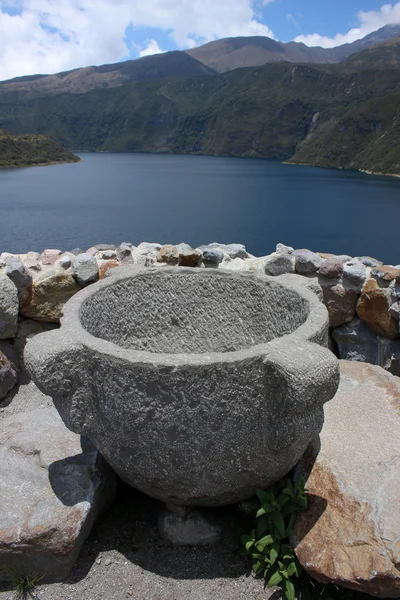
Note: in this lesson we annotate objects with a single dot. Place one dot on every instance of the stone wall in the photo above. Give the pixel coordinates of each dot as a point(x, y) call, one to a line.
point(362, 295)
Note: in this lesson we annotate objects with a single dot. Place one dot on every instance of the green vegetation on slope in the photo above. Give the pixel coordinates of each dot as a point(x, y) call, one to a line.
point(344, 115)
point(30, 150)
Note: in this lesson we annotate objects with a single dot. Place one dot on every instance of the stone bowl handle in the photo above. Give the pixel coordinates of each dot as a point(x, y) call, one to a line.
point(301, 376)
point(55, 364)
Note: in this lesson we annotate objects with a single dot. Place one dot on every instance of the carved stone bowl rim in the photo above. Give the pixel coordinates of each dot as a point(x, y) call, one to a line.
point(73, 333)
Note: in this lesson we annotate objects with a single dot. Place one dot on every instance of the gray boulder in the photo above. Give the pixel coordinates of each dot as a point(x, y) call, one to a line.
point(196, 528)
point(146, 254)
point(213, 255)
point(93, 250)
point(18, 274)
point(85, 269)
point(32, 261)
point(232, 250)
point(350, 533)
point(340, 300)
point(331, 268)
point(355, 272)
point(356, 342)
point(65, 262)
point(280, 262)
point(307, 262)
point(66, 485)
point(192, 363)
point(124, 251)
point(368, 261)
point(76, 251)
point(107, 255)
point(344, 257)
point(9, 308)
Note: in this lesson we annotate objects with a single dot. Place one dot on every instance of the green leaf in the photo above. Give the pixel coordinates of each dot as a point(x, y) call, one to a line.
point(257, 567)
point(288, 492)
point(301, 484)
point(273, 555)
point(302, 502)
point(289, 590)
point(277, 520)
point(248, 545)
point(246, 538)
point(276, 579)
point(267, 540)
point(260, 512)
point(262, 526)
point(292, 569)
point(263, 496)
point(282, 500)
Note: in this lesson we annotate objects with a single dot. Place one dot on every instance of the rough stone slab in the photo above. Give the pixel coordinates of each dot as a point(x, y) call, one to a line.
point(9, 307)
point(53, 485)
point(350, 533)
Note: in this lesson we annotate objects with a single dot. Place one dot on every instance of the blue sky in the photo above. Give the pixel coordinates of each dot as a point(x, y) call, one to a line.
point(48, 36)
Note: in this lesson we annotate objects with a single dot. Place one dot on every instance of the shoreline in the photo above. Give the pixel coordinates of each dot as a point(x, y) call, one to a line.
point(283, 162)
point(367, 172)
point(44, 164)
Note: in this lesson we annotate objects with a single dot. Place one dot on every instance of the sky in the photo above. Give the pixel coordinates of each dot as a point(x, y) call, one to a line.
point(49, 36)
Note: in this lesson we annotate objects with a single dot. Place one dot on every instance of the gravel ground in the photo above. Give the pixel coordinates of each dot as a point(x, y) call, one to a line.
point(124, 558)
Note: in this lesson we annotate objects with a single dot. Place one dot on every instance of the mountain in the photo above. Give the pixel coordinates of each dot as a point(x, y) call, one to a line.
point(366, 135)
point(30, 150)
point(342, 115)
point(79, 81)
point(231, 53)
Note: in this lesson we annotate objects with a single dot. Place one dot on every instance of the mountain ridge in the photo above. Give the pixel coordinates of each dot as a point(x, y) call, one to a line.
point(158, 66)
point(231, 53)
point(341, 115)
point(220, 56)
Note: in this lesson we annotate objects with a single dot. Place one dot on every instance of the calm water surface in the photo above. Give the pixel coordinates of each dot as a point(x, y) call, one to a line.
point(113, 198)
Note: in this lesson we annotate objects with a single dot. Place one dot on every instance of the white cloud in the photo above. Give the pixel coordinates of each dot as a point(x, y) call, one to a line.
point(389, 14)
point(151, 48)
point(55, 35)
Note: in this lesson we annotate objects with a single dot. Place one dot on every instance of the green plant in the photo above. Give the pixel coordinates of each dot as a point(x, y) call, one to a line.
point(273, 515)
point(24, 585)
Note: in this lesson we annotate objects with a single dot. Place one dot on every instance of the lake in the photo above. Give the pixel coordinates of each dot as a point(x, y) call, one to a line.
point(111, 198)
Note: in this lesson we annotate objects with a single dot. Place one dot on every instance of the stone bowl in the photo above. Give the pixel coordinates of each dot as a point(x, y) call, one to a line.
point(198, 386)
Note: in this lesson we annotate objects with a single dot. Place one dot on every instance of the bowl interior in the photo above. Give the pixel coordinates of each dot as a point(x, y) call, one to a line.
point(191, 312)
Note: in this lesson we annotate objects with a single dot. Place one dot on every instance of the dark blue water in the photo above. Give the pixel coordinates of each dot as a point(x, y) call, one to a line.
point(113, 198)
